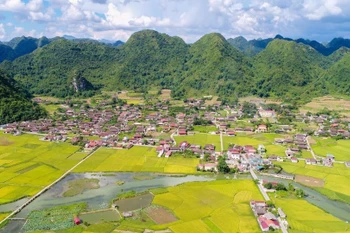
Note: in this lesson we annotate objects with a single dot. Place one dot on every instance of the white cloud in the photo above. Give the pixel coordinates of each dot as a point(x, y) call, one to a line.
point(187, 18)
point(2, 32)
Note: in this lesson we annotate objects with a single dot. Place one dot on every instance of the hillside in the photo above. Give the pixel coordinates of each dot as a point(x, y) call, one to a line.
point(15, 103)
point(214, 66)
point(50, 70)
point(337, 76)
point(20, 46)
point(151, 60)
point(287, 69)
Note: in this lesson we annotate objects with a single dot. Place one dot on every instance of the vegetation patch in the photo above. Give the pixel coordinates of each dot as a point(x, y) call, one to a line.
point(338, 148)
point(76, 187)
point(143, 177)
point(56, 218)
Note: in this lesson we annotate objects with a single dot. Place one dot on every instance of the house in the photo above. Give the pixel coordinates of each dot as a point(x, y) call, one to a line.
point(294, 160)
point(208, 167)
point(311, 161)
point(347, 164)
point(182, 132)
point(261, 149)
point(258, 207)
point(261, 129)
point(330, 157)
point(266, 223)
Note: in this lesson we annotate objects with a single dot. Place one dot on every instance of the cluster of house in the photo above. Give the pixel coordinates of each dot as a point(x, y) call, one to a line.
point(333, 130)
point(328, 161)
point(267, 220)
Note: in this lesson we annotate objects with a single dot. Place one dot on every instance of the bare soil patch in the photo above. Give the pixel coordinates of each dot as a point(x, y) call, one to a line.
point(309, 181)
point(5, 142)
point(160, 215)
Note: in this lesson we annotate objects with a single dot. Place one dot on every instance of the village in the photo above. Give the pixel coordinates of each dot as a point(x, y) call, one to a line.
point(250, 138)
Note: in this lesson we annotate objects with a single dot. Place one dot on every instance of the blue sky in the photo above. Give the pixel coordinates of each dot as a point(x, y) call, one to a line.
point(321, 20)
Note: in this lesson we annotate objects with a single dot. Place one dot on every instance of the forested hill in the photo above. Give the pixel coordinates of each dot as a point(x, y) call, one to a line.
point(284, 68)
point(15, 103)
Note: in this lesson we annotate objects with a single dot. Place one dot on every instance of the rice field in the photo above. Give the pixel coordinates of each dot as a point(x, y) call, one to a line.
point(136, 159)
point(255, 140)
point(218, 206)
point(337, 178)
point(305, 217)
point(28, 164)
point(340, 149)
point(200, 139)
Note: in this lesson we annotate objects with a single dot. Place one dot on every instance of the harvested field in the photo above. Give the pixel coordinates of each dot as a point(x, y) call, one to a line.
point(160, 215)
point(4, 141)
point(332, 103)
point(165, 94)
point(309, 181)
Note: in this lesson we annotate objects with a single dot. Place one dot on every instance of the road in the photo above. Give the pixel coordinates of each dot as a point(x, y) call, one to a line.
point(312, 152)
point(46, 188)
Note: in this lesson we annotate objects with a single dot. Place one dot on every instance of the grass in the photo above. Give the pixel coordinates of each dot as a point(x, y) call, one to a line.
point(337, 178)
point(217, 206)
point(255, 140)
point(204, 129)
point(340, 149)
point(51, 108)
point(137, 159)
point(28, 164)
point(201, 139)
point(305, 217)
point(79, 186)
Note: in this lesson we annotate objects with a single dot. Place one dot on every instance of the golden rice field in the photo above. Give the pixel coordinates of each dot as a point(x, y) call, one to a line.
point(305, 217)
point(255, 140)
point(217, 206)
point(340, 149)
point(28, 164)
point(136, 159)
point(337, 178)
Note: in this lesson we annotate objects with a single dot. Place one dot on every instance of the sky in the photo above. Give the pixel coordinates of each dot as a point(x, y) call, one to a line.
point(114, 20)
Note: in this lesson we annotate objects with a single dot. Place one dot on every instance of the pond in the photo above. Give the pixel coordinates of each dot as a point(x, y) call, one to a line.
point(101, 198)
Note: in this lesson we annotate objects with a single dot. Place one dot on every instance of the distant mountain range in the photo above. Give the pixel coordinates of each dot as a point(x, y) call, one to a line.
point(291, 70)
point(20, 46)
point(253, 47)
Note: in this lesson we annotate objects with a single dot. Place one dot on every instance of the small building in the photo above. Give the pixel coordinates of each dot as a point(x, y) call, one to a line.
point(127, 214)
point(261, 148)
point(294, 160)
point(77, 220)
point(347, 164)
